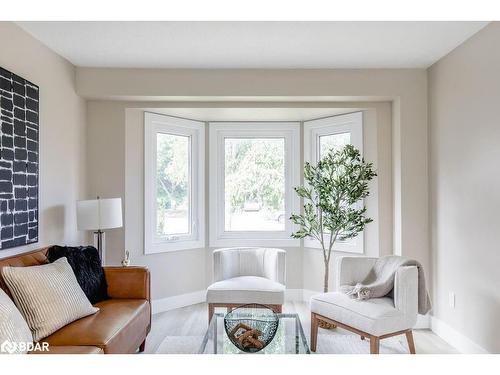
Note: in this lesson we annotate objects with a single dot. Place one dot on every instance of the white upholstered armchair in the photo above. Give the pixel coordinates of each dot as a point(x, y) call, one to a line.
point(376, 318)
point(245, 276)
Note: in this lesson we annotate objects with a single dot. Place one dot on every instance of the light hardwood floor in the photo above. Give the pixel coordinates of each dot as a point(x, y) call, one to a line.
point(193, 321)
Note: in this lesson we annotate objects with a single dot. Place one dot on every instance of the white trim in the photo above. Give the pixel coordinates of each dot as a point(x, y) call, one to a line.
point(290, 131)
point(195, 130)
point(349, 123)
point(423, 322)
point(307, 294)
point(175, 302)
point(292, 295)
point(456, 339)
point(304, 295)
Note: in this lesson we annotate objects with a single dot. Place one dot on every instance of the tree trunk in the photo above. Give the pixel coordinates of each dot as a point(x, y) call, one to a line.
point(327, 272)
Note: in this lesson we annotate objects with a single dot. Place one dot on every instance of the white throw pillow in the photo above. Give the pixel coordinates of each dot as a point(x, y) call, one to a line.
point(13, 327)
point(48, 296)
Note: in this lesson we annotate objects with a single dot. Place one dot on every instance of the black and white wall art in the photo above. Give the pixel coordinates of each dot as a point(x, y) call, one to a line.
point(19, 155)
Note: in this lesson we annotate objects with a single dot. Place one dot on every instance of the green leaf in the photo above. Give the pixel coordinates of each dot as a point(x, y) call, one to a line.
point(333, 194)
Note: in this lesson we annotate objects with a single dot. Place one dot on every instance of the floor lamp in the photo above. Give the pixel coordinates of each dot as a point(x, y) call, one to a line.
point(98, 215)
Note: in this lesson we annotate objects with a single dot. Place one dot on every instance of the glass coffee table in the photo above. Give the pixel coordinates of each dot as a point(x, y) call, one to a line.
point(289, 338)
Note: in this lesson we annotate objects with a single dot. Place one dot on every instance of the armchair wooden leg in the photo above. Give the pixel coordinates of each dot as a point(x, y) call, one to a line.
point(314, 332)
point(374, 345)
point(411, 343)
point(210, 312)
point(276, 308)
point(142, 346)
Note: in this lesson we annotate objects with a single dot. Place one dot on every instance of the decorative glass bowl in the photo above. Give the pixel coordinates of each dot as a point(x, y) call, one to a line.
point(251, 327)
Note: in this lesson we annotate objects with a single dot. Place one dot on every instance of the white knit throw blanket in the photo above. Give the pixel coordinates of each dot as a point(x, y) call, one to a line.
point(380, 281)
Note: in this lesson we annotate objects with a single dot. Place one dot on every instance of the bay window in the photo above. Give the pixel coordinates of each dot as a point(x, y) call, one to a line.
point(174, 171)
point(253, 169)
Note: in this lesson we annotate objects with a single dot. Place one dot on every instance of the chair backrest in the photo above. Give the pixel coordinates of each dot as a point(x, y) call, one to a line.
point(353, 270)
point(250, 261)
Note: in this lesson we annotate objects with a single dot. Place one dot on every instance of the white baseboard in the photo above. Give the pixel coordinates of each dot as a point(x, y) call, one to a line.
point(182, 300)
point(292, 295)
point(459, 341)
point(303, 295)
point(307, 294)
point(423, 322)
point(456, 339)
point(175, 302)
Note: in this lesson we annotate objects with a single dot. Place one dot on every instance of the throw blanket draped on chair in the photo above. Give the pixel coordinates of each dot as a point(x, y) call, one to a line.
point(380, 281)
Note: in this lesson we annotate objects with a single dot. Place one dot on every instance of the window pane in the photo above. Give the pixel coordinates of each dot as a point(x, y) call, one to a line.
point(172, 185)
point(333, 142)
point(254, 184)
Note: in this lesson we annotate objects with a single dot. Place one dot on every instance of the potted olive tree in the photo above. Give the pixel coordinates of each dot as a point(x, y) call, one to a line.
point(333, 193)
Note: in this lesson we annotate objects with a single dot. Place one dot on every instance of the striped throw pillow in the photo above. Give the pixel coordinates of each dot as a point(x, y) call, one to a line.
point(48, 296)
point(13, 328)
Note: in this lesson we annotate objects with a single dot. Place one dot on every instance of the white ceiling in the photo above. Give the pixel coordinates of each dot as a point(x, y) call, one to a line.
point(253, 44)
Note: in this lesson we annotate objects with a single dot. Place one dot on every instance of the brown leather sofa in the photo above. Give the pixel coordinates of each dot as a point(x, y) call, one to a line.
point(122, 322)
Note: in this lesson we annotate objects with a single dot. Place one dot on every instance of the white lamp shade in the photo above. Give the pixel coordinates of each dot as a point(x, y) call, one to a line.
point(99, 214)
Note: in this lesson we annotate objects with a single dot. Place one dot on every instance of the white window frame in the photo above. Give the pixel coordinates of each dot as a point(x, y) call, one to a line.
point(218, 131)
point(154, 124)
point(348, 123)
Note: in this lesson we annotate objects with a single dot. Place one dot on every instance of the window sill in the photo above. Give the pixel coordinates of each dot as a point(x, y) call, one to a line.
point(166, 247)
point(253, 242)
point(354, 247)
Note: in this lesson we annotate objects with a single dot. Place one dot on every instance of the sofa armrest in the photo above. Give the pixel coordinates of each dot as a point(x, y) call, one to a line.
point(352, 270)
point(128, 282)
point(406, 290)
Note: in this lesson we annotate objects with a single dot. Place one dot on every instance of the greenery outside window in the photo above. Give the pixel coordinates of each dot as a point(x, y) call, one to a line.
point(253, 167)
point(173, 175)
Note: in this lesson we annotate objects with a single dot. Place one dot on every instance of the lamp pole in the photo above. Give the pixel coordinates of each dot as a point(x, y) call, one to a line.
point(99, 233)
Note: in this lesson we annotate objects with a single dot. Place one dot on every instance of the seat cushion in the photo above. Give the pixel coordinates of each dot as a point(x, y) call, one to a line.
point(376, 316)
point(119, 326)
point(246, 289)
point(70, 350)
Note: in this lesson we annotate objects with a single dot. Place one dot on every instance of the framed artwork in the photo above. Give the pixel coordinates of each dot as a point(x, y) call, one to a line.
point(19, 160)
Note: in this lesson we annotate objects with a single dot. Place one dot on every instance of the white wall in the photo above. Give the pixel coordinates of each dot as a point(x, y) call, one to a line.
point(464, 96)
point(116, 169)
point(69, 164)
point(62, 134)
point(406, 89)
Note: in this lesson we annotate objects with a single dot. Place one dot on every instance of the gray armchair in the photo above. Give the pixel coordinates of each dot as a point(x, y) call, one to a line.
point(375, 318)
